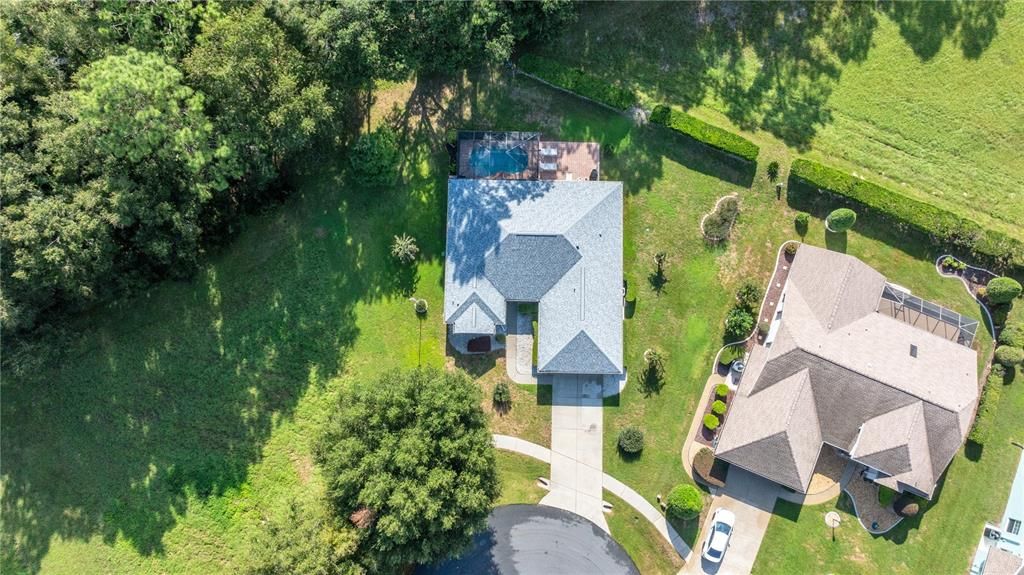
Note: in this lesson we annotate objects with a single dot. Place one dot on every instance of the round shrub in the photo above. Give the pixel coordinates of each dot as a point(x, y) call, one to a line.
point(1003, 290)
point(906, 506)
point(773, 171)
point(722, 390)
point(841, 220)
point(502, 395)
point(718, 407)
point(1009, 356)
point(1012, 335)
point(711, 422)
point(763, 327)
point(684, 502)
point(749, 295)
point(791, 248)
point(802, 220)
point(631, 440)
point(421, 306)
point(738, 324)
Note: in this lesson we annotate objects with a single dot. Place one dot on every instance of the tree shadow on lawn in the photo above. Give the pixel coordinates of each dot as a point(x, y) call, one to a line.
point(114, 424)
point(700, 51)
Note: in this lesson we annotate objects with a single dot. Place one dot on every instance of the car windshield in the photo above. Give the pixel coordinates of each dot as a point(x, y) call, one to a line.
point(723, 528)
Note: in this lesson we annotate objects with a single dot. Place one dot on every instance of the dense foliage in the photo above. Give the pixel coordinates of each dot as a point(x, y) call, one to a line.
point(502, 395)
point(749, 295)
point(684, 502)
point(1003, 290)
point(738, 324)
point(414, 449)
point(705, 133)
point(132, 134)
point(374, 158)
point(1012, 335)
point(631, 440)
point(306, 541)
point(941, 226)
point(717, 225)
point(576, 80)
point(1009, 356)
point(988, 405)
point(841, 220)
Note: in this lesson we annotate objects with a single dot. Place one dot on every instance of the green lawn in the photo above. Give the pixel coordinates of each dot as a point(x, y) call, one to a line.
point(519, 475)
point(157, 434)
point(921, 95)
point(648, 549)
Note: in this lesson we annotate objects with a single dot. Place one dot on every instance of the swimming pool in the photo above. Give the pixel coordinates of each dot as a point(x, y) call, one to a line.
point(490, 160)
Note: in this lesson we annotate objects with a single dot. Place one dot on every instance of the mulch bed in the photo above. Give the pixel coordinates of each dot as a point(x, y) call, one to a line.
point(704, 435)
point(784, 263)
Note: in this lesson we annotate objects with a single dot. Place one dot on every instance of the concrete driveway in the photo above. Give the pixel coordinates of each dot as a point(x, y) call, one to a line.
point(752, 499)
point(577, 424)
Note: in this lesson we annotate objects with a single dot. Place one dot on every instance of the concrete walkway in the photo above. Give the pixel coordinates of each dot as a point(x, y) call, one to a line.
point(613, 485)
point(519, 346)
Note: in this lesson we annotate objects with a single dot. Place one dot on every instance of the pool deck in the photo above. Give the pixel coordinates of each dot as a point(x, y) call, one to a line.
point(1010, 544)
point(571, 160)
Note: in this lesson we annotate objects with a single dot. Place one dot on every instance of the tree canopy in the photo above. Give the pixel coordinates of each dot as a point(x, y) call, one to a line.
point(413, 448)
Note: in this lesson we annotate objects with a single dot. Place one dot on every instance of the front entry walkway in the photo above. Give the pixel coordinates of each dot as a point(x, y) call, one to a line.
point(577, 423)
point(519, 345)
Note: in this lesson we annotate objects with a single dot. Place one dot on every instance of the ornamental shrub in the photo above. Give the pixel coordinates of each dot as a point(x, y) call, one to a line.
point(718, 407)
point(705, 133)
point(722, 390)
point(631, 440)
point(941, 226)
point(773, 170)
point(738, 324)
point(684, 502)
point(1012, 335)
point(791, 247)
point(1003, 290)
point(802, 223)
point(841, 220)
point(374, 158)
point(1009, 356)
point(502, 395)
point(749, 295)
point(711, 422)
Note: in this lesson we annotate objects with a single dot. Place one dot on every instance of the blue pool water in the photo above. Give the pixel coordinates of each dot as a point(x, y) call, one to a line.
point(490, 160)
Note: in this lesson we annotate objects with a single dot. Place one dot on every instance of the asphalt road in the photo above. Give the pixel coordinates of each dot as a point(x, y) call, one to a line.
point(541, 540)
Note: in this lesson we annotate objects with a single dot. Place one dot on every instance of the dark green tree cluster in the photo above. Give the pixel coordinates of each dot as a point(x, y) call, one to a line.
point(132, 133)
point(411, 454)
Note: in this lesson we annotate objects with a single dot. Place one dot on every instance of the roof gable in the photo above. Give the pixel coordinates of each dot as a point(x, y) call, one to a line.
point(580, 355)
point(523, 267)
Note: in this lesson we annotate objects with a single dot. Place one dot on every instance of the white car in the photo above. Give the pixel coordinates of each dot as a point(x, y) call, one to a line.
point(717, 540)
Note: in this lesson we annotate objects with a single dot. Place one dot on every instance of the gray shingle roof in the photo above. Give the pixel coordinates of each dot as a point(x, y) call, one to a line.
point(558, 243)
point(902, 415)
point(524, 267)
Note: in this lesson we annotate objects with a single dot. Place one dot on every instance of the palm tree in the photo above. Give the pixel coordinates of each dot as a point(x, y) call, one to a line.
point(404, 248)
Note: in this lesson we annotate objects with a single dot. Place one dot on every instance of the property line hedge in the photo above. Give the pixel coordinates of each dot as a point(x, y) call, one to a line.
point(576, 80)
point(705, 133)
point(984, 420)
point(941, 225)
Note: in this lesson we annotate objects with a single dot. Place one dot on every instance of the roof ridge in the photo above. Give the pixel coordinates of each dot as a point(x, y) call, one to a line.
point(839, 295)
point(804, 381)
point(586, 214)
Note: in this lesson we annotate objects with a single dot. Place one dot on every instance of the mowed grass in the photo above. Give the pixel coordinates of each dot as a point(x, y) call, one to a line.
point(645, 546)
point(922, 96)
point(519, 475)
point(156, 435)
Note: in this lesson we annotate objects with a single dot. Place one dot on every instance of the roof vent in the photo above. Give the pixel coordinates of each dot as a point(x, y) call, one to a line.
point(913, 350)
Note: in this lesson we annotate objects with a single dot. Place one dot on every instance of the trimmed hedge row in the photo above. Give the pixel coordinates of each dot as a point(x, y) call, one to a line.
point(941, 225)
point(705, 133)
point(576, 80)
point(985, 418)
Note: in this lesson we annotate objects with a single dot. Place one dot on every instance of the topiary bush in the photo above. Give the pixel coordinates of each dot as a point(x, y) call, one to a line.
point(791, 247)
point(718, 407)
point(631, 440)
point(841, 220)
point(721, 390)
point(738, 324)
point(1009, 356)
point(1003, 290)
point(1012, 335)
point(502, 396)
point(802, 222)
point(685, 502)
point(906, 506)
point(711, 422)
